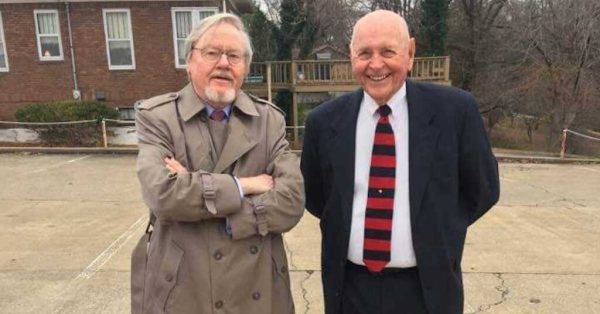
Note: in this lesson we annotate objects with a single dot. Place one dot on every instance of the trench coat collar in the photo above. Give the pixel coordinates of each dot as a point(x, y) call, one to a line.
point(190, 104)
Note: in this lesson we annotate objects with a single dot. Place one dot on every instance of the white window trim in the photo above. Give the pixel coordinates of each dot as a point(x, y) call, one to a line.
point(195, 20)
point(37, 35)
point(6, 68)
point(119, 67)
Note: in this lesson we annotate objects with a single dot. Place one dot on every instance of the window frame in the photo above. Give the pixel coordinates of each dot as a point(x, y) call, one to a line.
point(195, 21)
point(107, 40)
point(3, 41)
point(38, 36)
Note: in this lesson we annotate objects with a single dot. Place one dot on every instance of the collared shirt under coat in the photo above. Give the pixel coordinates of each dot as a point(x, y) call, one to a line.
point(402, 252)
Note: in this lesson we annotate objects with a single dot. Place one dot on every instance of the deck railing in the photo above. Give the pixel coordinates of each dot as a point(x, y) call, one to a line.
point(310, 72)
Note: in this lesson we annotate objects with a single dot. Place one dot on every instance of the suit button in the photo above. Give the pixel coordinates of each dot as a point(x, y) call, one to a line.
point(218, 255)
point(253, 249)
point(219, 304)
point(283, 269)
point(256, 295)
point(169, 277)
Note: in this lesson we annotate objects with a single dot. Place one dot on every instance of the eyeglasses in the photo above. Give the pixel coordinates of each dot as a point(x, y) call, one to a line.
point(214, 55)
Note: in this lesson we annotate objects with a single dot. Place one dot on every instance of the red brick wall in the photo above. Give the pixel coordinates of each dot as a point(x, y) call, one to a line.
point(31, 80)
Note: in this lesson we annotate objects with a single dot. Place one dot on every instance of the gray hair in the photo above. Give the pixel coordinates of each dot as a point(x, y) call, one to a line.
point(207, 23)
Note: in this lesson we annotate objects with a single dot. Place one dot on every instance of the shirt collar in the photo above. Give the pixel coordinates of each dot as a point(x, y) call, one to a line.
point(395, 102)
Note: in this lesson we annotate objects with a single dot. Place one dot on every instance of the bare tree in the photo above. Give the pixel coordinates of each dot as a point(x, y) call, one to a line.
point(560, 40)
point(471, 38)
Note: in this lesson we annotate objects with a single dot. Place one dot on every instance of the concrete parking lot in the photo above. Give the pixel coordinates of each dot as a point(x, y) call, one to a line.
point(69, 223)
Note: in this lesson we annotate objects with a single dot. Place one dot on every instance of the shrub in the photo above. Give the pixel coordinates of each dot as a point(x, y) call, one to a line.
point(80, 134)
point(65, 111)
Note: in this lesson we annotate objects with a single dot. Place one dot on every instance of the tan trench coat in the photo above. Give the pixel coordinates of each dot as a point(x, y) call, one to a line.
point(193, 264)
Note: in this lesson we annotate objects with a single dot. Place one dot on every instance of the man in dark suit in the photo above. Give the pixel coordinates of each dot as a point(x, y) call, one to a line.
point(396, 172)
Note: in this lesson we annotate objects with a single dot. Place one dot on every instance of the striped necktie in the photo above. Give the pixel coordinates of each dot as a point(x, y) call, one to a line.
point(380, 200)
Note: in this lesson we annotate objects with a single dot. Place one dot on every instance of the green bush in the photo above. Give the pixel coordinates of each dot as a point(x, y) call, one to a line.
point(65, 111)
point(80, 134)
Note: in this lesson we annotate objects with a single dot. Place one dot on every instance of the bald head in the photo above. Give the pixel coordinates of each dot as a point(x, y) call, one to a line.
point(382, 54)
point(382, 18)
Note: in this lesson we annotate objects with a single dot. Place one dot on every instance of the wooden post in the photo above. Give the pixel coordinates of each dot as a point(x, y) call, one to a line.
point(269, 93)
point(293, 72)
point(295, 117)
point(104, 137)
point(563, 144)
point(447, 69)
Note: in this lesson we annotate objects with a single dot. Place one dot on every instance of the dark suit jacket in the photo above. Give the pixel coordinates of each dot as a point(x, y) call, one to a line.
point(453, 181)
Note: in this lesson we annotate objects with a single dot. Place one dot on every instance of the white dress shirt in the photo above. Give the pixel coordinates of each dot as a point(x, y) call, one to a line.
point(402, 251)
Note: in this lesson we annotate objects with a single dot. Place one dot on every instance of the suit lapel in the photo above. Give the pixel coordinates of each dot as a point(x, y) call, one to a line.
point(422, 140)
point(343, 141)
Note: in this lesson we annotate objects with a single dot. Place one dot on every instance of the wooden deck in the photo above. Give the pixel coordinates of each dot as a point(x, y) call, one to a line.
point(308, 76)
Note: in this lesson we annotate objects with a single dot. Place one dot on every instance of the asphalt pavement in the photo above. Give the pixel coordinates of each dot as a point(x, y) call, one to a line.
point(70, 222)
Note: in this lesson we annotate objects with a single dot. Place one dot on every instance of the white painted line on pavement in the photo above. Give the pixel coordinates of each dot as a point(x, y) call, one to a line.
point(106, 255)
point(58, 164)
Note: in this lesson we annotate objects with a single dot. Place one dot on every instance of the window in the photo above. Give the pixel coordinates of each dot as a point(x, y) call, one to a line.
point(184, 19)
point(3, 58)
point(119, 39)
point(48, 35)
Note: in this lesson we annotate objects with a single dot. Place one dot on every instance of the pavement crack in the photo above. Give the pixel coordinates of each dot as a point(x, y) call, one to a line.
point(304, 291)
point(504, 291)
point(290, 254)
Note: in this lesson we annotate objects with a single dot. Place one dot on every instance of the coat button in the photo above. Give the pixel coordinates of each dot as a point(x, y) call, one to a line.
point(253, 249)
point(219, 304)
point(256, 295)
point(283, 269)
point(218, 255)
point(169, 277)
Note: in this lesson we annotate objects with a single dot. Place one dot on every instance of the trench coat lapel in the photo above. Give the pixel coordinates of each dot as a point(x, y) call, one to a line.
point(422, 140)
point(239, 140)
point(343, 153)
point(196, 134)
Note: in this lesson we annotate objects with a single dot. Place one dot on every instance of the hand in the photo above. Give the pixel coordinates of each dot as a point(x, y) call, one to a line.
point(174, 166)
point(256, 185)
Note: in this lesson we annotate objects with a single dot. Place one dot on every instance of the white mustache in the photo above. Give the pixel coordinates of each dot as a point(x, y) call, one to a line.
point(222, 74)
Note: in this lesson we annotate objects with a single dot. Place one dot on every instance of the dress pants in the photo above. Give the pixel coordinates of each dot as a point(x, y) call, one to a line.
point(393, 291)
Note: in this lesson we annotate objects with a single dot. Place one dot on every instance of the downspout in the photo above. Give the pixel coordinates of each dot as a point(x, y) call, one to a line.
point(224, 6)
point(76, 93)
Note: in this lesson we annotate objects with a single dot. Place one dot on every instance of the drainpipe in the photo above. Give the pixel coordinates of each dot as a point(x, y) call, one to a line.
point(76, 92)
point(224, 6)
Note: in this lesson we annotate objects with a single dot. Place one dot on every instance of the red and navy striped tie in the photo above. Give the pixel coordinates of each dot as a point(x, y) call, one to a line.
point(380, 201)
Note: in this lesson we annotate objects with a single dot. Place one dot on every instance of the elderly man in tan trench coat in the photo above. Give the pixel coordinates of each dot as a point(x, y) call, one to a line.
point(222, 188)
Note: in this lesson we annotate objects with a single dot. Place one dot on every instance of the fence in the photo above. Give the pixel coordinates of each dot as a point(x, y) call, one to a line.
point(590, 149)
point(104, 133)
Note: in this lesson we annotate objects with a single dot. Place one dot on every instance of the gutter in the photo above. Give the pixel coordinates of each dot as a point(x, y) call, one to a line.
point(76, 92)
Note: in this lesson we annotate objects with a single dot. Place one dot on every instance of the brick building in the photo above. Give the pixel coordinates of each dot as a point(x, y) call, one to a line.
point(115, 51)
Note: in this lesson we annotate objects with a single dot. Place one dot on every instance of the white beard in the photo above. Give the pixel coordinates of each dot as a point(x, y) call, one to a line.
point(215, 97)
